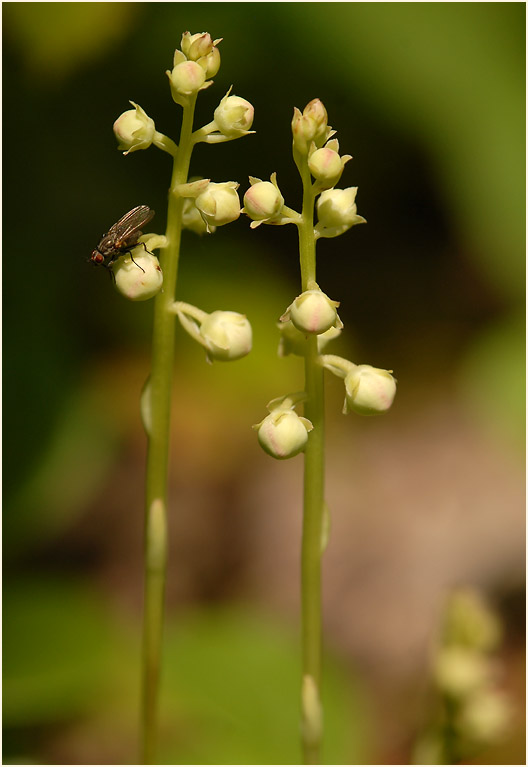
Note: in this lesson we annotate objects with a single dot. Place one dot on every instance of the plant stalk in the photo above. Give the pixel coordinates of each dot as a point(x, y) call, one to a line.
point(313, 504)
point(160, 387)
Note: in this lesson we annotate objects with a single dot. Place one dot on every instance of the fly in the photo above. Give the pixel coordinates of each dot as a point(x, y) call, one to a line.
point(122, 237)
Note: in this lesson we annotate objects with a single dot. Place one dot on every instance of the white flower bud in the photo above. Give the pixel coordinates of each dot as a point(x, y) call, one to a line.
point(313, 312)
point(186, 78)
point(369, 390)
point(459, 671)
point(337, 208)
point(134, 129)
point(283, 433)
point(311, 125)
point(234, 116)
point(196, 46)
point(226, 335)
point(326, 166)
point(263, 200)
point(140, 278)
point(192, 218)
point(219, 203)
point(487, 716)
point(211, 63)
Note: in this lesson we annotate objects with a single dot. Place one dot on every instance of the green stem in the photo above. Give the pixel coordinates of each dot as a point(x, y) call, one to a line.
point(313, 503)
point(158, 450)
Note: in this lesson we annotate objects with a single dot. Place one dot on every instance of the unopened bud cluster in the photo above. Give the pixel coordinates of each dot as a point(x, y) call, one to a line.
point(206, 204)
point(368, 390)
point(466, 676)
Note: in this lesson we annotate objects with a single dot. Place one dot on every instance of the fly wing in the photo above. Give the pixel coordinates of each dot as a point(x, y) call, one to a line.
point(131, 222)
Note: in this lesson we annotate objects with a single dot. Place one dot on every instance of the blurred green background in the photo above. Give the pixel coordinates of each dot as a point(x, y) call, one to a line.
point(429, 98)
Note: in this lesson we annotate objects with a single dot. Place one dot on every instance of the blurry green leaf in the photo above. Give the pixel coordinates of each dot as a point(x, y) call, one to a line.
point(59, 651)
point(493, 380)
point(58, 37)
point(235, 677)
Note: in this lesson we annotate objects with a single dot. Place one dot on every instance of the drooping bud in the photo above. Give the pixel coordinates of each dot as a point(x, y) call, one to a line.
point(337, 210)
point(185, 79)
point(283, 433)
point(138, 275)
point(134, 129)
point(234, 116)
point(313, 312)
point(326, 165)
point(369, 391)
point(219, 203)
point(227, 335)
point(263, 201)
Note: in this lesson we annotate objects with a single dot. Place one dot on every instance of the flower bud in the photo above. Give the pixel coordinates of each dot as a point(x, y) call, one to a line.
point(313, 312)
point(134, 129)
point(263, 200)
point(192, 218)
point(326, 166)
point(234, 116)
point(211, 63)
point(186, 78)
point(336, 208)
point(311, 125)
point(196, 46)
point(459, 671)
point(219, 203)
point(227, 335)
point(283, 433)
point(369, 390)
point(140, 278)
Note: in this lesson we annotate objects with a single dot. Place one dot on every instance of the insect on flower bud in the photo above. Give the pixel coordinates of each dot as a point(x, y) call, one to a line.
point(283, 434)
point(263, 200)
point(134, 129)
point(369, 391)
point(234, 116)
point(313, 312)
point(186, 78)
point(219, 203)
point(227, 335)
point(138, 275)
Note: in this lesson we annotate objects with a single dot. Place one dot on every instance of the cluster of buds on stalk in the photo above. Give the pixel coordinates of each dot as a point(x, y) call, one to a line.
point(472, 711)
point(206, 204)
point(368, 390)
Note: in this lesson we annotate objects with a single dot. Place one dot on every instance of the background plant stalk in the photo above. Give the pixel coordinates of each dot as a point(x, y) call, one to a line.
point(313, 497)
point(158, 449)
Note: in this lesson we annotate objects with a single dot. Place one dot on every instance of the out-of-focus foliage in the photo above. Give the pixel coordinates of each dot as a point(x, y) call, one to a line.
point(229, 689)
point(430, 99)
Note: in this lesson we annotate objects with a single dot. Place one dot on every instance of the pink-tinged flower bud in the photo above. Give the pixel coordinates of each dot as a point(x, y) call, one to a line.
point(140, 278)
point(211, 63)
point(186, 78)
point(326, 166)
point(313, 312)
point(369, 391)
point(311, 125)
point(219, 203)
point(134, 129)
point(263, 200)
point(336, 208)
point(234, 116)
point(200, 45)
point(227, 335)
point(283, 434)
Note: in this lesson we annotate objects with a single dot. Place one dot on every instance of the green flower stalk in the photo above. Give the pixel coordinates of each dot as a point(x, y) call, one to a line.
point(200, 205)
point(307, 326)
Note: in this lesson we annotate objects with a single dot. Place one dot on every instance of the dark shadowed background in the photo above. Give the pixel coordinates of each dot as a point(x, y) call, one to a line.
point(429, 99)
